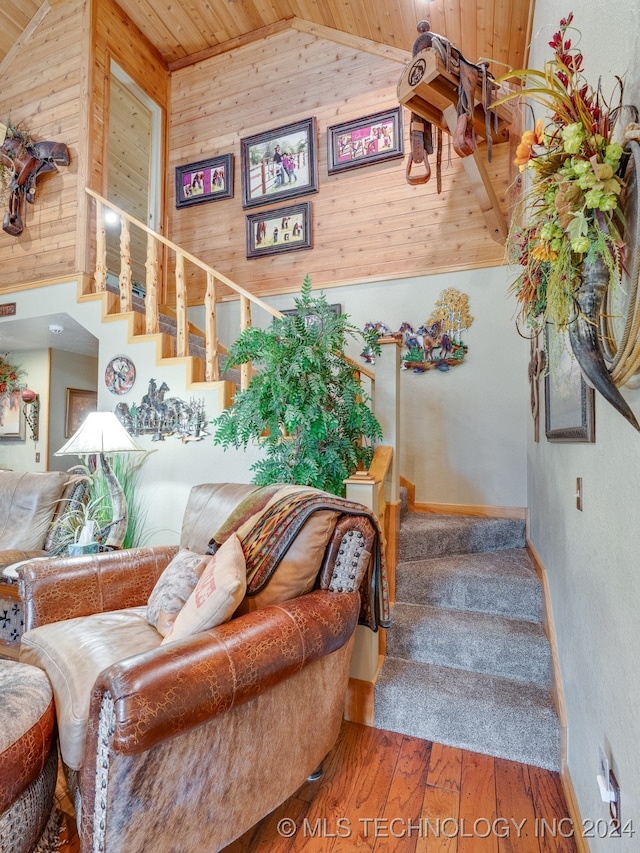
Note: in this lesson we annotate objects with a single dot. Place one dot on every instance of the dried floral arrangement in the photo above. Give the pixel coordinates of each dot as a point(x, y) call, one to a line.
point(10, 376)
point(571, 210)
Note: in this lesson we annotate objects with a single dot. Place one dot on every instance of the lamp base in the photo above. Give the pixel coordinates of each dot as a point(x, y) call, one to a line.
point(118, 529)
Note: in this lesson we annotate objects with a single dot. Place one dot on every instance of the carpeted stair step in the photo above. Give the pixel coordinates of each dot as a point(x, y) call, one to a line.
point(482, 713)
point(511, 648)
point(501, 582)
point(424, 535)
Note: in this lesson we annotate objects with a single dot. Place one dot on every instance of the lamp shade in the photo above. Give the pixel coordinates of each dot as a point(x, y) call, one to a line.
point(100, 432)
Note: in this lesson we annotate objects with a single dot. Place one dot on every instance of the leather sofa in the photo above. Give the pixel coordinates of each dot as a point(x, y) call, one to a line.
point(30, 506)
point(185, 745)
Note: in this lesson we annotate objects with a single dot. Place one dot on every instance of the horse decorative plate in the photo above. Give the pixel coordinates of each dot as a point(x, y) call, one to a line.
point(120, 375)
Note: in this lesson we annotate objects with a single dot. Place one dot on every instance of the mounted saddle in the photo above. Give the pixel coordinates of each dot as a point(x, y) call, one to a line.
point(26, 162)
point(463, 137)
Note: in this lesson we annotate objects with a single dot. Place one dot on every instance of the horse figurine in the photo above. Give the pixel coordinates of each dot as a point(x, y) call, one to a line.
point(25, 160)
point(430, 338)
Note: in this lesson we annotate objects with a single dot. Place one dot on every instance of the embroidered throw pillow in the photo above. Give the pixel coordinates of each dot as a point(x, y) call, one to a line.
point(220, 589)
point(173, 588)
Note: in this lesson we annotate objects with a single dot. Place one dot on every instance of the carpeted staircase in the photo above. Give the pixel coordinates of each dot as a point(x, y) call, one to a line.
point(468, 663)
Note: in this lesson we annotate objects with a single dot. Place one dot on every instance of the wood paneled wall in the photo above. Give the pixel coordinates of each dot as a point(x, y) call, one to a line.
point(367, 223)
point(41, 88)
point(58, 86)
point(119, 39)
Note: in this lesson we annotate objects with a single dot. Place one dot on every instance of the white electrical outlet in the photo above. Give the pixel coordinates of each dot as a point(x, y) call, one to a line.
point(606, 794)
point(604, 763)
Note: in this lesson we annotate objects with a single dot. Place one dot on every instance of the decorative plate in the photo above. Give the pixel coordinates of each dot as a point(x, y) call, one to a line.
point(120, 375)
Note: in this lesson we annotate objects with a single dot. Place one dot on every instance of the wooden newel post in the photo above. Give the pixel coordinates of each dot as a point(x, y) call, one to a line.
point(245, 322)
point(365, 661)
point(100, 276)
point(387, 405)
point(363, 489)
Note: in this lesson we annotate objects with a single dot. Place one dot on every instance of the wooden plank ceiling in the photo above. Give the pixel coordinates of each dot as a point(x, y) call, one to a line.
point(497, 30)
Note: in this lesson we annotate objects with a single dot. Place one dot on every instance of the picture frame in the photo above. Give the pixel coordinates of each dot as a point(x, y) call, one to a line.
point(374, 138)
point(569, 403)
point(263, 157)
point(80, 402)
point(283, 229)
point(205, 180)
point(336, 307)
point(12, 419)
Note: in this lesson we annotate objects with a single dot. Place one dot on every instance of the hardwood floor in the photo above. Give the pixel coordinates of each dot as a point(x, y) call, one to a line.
point(389, 793)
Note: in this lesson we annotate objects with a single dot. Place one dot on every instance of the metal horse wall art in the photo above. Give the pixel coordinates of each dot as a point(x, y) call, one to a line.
point(25, 160)
point(161, 416)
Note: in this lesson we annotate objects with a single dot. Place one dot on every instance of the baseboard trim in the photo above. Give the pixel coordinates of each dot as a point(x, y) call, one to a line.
point(549, 630)
point(360, 698)
point(359, 702)
point(582, 845)
point(518, 512)
point(479, 510)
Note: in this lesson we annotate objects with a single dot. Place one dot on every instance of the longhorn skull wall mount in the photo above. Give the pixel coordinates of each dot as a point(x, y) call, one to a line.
point(21, 161)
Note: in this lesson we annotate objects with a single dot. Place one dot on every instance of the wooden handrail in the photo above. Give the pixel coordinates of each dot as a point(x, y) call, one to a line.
point(381, 462)
point(187, 255)
point(152, 266)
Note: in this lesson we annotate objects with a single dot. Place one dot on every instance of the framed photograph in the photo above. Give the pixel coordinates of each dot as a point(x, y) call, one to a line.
point(207, 180)
point(371, 139)
point(279, 163)
point(285, 229)
point(79, 404)
point(336, 307)
point(12, 420)
point(568, 401)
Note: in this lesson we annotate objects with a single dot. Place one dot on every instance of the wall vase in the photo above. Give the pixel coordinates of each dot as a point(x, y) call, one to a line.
point(585, 341)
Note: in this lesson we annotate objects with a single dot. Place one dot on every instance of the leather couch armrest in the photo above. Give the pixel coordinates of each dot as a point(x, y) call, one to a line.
point(16, 555)
point(66, 587)
point(164, 692)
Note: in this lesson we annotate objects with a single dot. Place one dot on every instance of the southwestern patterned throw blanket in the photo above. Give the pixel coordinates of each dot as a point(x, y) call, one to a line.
point(268, 521)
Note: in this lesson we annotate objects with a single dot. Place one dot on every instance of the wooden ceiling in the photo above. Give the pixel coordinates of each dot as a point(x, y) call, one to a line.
point(498, 30)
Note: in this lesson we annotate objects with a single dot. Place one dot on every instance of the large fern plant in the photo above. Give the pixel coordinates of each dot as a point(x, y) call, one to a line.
point(305, 405)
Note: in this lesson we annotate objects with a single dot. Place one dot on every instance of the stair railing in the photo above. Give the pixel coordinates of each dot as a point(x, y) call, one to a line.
point(155, 241)
point(181, 257)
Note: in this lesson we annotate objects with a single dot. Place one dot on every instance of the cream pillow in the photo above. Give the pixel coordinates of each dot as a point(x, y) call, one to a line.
point(173, 588)
point(219, 591)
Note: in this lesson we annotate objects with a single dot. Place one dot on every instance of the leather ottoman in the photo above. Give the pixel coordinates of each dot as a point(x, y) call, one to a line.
point(28, 758)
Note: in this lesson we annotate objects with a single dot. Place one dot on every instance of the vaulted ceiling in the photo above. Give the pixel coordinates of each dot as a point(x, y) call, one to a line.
point(498, 30)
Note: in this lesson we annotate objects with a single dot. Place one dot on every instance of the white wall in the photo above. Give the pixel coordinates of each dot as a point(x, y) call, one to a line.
point(173, 467)
point(592, 556)
point(463, 432)
point(21, 455)
point(68, 370)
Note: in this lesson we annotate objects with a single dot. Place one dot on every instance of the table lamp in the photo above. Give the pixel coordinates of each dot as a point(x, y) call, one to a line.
point(101, 433)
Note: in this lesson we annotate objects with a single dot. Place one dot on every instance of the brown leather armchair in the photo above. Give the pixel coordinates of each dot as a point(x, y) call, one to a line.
point(186, 745)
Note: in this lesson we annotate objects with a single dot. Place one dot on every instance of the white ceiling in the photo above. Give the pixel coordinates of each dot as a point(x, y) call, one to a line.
point(34, 334)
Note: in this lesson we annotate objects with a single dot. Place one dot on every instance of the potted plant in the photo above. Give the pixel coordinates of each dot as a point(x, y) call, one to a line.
point(92, 503)
point(305, 405)
point(568, 235)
